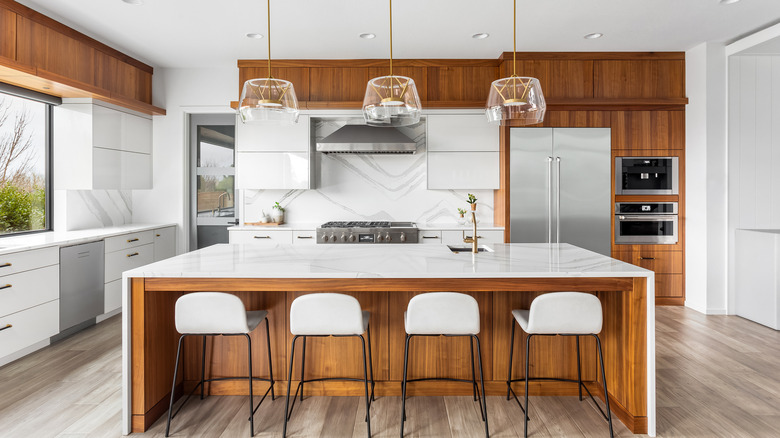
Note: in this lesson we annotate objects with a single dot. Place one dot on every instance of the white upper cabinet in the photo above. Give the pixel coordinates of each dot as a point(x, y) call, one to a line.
point(461, 132)
point(269, 137)
point(97, 147)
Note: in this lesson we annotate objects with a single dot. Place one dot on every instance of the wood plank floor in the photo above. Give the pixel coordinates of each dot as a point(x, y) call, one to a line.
point(718, 376)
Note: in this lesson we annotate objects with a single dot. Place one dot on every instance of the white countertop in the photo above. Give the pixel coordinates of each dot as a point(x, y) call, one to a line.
point(513, 260)
point(312, 226)
point(27, 242)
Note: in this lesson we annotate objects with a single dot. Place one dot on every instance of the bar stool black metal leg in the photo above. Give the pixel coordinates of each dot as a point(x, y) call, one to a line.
point(370, 361)
point(579, 368)
point(270, 360)
point(511, 353)
point(251, 384)
point(473, 373)
point(203, 369)
point(365, 385)
point(482, 383)
point(604, 379)
point(173, 386)
point(289, 382)
point(303, 364)
point(527, 354)
point(403, 384)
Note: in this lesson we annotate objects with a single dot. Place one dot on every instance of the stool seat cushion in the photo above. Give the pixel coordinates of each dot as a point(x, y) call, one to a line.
point(322, 314)
point(568, 313)
point(442, 313)
point(215, 313)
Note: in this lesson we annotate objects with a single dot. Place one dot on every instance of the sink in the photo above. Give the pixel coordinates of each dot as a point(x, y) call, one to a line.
point(459, 249)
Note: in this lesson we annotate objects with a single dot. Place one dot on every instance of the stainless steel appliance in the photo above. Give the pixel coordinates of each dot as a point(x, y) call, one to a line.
point(367, 232)
point(81, 283)
point(647, 175)
point(560, 182)
point(364, 139)
point(652, 223)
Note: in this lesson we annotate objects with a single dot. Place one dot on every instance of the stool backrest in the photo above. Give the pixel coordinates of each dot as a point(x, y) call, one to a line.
point(565, 313)
point(210, 312)
point(442, 313)
point(326, 314)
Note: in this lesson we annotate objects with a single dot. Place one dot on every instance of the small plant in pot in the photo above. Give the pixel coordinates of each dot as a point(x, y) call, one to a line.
point(473, 201)
point(461, 213)
point(277, 213)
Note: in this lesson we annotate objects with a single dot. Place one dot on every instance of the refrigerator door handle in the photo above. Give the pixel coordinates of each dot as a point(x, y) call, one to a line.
point(549, 199)
point(558, 203)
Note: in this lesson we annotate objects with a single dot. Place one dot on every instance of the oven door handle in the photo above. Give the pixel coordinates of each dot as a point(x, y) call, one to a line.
point(648, 218)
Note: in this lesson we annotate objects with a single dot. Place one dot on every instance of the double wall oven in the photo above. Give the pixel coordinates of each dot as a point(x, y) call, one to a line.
point(648, 223)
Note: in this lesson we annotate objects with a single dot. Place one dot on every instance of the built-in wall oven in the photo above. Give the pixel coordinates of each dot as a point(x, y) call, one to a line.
point(647, 175)
point(649, 223)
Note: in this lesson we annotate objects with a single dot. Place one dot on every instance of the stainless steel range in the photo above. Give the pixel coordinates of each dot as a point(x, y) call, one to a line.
point(367, 232)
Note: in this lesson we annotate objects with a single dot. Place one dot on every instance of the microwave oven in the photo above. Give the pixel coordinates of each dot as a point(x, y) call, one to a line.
point(647, 175)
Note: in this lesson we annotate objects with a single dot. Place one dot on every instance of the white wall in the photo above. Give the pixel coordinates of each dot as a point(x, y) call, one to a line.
point(181, 92)
point(754, 147)
point(705, 174)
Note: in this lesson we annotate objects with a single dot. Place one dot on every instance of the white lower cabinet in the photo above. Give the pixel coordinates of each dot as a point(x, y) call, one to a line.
point(262, 237)
point(164, 243)
point(485, 237)
point(22, 329)
point(304, 237)
point(112, 299)
point(430, 237)
point(28, 289)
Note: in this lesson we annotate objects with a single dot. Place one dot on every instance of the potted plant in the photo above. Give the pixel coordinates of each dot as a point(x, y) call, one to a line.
point(462, 213)
point(277, 213)
point(473, 201)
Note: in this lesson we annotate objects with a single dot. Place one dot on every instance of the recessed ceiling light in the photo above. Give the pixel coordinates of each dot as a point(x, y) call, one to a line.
point(254, 35)
point(593, 36)
point(728, 2)
point(480, 36)
point(367, 36)
point(134, 2)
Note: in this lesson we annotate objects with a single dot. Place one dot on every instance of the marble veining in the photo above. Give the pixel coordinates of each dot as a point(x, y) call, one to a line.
point(97, 208)
point(368, 187)
point(515, 260)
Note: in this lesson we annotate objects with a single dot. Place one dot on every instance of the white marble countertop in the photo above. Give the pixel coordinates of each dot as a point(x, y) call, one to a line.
point(760, 230)
point(513, 260)
point(27, 242)
point(312, 226)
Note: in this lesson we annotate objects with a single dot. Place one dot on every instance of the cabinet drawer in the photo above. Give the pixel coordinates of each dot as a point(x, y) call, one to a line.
point(262, 237)
point(26, 260)
point(660, 262)
point(112, 298)
point(132, 240)
point(430, 237)
point(451, 237)
point(307, 237)
point(28, 289)
point(29, 326)
point(669, 285)
point(118, 262)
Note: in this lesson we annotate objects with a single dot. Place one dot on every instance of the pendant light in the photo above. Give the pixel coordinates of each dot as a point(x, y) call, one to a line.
point(515, 98)
point(268, 99)
point(391, 100)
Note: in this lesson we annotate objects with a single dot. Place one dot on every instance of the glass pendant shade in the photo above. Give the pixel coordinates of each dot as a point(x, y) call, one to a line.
point(268, 100)
point(516, 98)
point(391, 101)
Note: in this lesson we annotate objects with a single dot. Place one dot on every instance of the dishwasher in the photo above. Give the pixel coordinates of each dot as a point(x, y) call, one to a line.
point(81, 283)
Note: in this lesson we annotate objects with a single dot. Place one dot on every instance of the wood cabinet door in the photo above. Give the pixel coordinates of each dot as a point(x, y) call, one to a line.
point(648, 130)
point(625, 79)
point(7, 34)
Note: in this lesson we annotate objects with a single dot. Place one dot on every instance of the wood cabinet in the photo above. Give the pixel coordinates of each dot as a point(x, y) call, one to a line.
point(648, 130)
point(7, 34)
point(101, 148)
point(639, 78)
point(558, 78)
point(667, 265)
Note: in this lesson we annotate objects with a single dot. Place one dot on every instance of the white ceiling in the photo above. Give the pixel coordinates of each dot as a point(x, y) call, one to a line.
point(209, 33)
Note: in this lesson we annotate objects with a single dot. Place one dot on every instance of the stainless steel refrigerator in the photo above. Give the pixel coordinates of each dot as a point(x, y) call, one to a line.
point(560, 186)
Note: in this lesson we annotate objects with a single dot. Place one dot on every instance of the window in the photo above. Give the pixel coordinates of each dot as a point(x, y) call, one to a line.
point(24, 165)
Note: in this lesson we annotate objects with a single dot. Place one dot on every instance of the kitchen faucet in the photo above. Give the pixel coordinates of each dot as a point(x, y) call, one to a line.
point(473, 239)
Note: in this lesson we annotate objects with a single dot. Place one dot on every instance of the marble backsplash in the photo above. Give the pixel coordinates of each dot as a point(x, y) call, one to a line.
point(83, 209)
point(367, 187)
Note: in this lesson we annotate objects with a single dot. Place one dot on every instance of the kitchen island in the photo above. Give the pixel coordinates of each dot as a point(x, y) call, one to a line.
point(383, 278)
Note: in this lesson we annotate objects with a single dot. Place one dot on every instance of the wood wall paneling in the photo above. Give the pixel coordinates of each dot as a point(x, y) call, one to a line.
point(299, 76)
point(459, 83)
point(7, 34)
point(639, 78)
point(559, 78)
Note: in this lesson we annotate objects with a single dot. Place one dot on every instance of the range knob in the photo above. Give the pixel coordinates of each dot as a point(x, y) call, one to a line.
point(343, 237)
point(403, 237)
point(324, 237)
point(379, 238)
point(332, 237)
point(388, 238)
point(351, 238)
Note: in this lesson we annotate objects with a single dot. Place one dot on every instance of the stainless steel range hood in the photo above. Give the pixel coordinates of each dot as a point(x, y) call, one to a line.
point(364, 139)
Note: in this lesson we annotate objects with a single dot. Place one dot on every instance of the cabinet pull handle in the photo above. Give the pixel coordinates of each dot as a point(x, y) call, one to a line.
point(646, 258)
point(132, 240)
point(7, 326)
point(430, 237)
point(5, 265)
point(478, 237)
point(6, 286)
point(133, 254)
point(262, 237)
point(304, 237)
point(157, 235)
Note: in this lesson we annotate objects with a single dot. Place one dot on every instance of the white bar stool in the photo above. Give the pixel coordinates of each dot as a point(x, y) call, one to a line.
point(444, 314)
point(219, 314)
point(560, 314)
point(324, 315)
